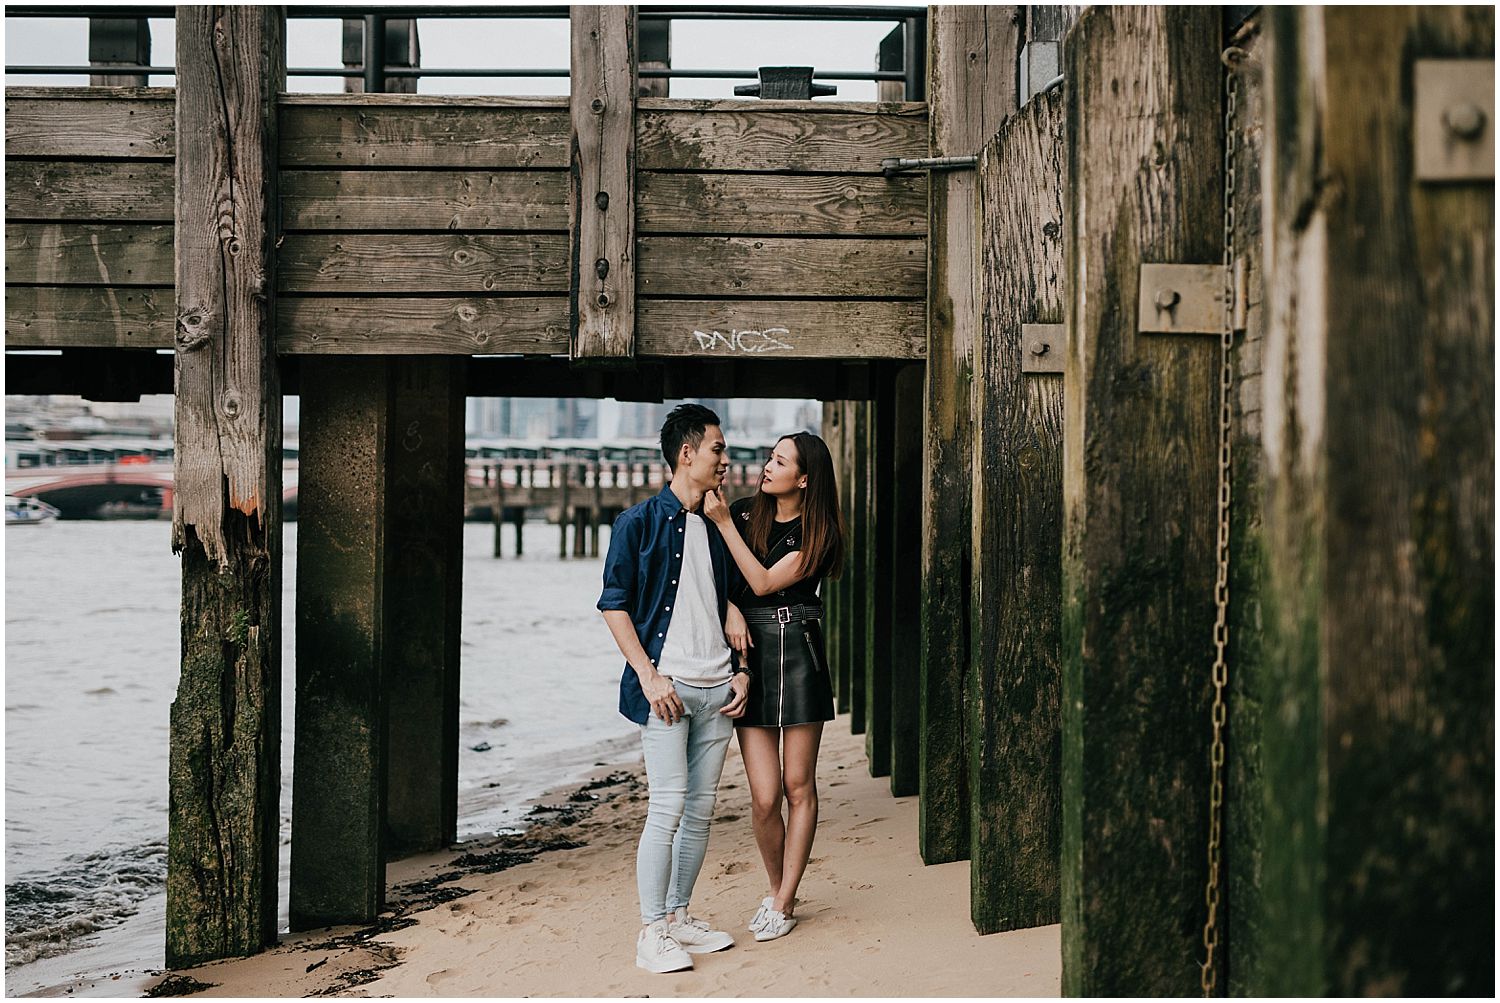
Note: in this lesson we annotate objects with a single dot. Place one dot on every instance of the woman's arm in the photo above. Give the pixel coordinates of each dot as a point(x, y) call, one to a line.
point(762, 580)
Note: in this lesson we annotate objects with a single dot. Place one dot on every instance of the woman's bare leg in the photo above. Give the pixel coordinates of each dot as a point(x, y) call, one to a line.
point(799, 776)
point(758, 748)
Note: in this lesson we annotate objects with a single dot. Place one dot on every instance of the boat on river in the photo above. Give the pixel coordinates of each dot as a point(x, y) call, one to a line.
point(21, 511)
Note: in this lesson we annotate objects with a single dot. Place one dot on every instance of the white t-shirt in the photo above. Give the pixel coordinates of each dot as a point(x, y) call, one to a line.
point(694, 650)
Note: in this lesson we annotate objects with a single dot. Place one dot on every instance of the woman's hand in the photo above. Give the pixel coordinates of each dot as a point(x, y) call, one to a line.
point(739, 685)
point(715, 508)
point(737, 632)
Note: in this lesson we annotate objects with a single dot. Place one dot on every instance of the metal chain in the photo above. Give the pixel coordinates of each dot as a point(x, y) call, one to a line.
point(1210, 975)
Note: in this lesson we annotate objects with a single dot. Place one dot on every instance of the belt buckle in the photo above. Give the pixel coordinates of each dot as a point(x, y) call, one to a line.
point(783, 614)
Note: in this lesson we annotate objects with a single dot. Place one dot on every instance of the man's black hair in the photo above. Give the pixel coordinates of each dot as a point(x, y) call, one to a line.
point(685, 423)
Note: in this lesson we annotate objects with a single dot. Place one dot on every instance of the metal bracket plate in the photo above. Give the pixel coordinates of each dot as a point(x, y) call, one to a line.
point(1453, 121)
point(1042, 348)
point(1181, 299)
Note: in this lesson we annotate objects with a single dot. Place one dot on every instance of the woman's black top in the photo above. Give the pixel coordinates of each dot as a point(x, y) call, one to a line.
point(785, 538)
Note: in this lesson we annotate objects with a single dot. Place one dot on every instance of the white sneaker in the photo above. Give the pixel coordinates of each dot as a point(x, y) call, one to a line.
point(759, 919)
point(695, 935)
point(777, 924)
point(656, 950)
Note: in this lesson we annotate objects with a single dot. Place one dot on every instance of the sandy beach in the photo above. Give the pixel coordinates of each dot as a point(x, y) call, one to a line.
point(516, 918)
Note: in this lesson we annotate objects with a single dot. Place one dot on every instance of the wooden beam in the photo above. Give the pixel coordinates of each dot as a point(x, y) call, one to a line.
point(423, 263)
point(844, 684)
point(519, 201)
point(88, 254)
point(833, 627)
point(972, 61)
point(364, 131)
point(750, 138)
point(830, 268)
point(602, 171)
point(1139, 467)
point(89, 122)
point(772, 329)
point(368, 325)
point(138, 191)
point(224, 824)
point(782, 205)
point(1377, 874)
point(1015, 603)
point(878, 668)
point(858, 458)
point(88, 317)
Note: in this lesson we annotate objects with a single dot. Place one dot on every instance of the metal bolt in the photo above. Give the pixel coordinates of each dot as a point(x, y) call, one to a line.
point(1466, 120)
point(1166, 299)
point(603, 299)
point(1040, 348)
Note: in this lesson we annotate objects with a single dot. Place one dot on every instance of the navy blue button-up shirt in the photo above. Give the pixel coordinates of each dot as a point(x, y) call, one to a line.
point(641, 575)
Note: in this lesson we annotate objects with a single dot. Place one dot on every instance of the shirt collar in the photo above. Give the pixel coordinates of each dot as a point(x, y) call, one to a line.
point(669, 501)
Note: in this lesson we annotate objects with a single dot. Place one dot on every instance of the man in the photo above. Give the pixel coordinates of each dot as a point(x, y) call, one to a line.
point(667, 580)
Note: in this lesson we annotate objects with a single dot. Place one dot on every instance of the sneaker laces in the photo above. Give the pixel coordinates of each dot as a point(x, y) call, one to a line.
point(696, 924)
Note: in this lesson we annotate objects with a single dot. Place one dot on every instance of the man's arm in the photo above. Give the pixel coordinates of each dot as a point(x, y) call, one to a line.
point(658, 688)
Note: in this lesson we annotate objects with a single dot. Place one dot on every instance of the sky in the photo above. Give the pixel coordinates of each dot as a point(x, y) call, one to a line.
point(825, 45)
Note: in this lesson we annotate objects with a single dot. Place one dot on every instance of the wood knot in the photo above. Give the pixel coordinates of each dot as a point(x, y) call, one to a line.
point(230, 403)
point(192, 330)
point(467, 313)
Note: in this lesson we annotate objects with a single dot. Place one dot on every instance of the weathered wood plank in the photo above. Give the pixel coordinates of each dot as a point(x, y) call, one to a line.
point(1015, 601)
point(811, 205)
point(735, 106)
point(857, 456)
point(757, 140)
point(365, 134)
point(88, 317)
point(602, 182)
point(1378, 744)
point(423, 263)
point(780, 329)
point(480, 325)
point(1140, 431)
point(56, 126)
point(972, 60)
point(96, 254)
point(223, 836)
point(880, 443)
point(905, 593)
point(521, 201)
point(138, 191)
point(781, 266)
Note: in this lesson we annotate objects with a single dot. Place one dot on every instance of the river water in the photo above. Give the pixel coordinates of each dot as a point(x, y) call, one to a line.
point(91, 666)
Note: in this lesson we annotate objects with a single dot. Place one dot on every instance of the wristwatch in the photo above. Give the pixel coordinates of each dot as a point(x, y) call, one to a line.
point(742, 668)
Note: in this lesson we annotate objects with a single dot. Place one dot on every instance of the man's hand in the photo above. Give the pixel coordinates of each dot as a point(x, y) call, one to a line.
point(739, 685)
point(665, 702)
point(737, 632)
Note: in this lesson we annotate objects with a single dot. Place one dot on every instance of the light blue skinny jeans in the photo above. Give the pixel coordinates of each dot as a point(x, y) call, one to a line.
point(683, 765)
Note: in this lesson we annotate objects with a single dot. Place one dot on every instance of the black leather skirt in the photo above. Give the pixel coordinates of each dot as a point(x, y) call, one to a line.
point(790, 683)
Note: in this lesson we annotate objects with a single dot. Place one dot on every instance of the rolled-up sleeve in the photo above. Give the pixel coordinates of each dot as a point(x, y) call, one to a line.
point(620, 565)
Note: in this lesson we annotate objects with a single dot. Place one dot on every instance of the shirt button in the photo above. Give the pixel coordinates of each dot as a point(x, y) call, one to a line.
point(674, 581)
point(679, 529)
point(676, 555)
point(669, 609)
point(658, 635)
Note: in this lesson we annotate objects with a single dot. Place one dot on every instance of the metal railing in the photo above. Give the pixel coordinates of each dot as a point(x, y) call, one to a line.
point(374, 72)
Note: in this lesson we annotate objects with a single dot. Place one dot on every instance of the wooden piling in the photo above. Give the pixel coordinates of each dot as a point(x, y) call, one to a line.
point(339, 762)
point(905, 584)
point(844, 666)
point(1139, 463)
point(972, 59)
point(499, 513)
point(1015, 728)
point(1378, 864)
point(225, 759)
point(832, 625)
point(596, 511)
point(859, 535)
point(560, 474)
point(880, 447)
point(422, 598)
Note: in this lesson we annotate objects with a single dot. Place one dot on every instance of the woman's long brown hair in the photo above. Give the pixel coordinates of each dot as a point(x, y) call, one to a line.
point(822, 519)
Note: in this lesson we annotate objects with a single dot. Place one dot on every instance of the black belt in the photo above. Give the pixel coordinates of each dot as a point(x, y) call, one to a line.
point(783, 614)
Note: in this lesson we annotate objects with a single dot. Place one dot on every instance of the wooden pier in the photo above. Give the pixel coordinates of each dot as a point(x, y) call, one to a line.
point(1179, 256)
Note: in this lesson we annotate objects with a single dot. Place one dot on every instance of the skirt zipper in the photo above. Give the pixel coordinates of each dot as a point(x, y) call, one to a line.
point(781, 689)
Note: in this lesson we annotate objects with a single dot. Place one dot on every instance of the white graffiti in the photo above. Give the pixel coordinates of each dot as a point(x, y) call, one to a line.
point(752, 342)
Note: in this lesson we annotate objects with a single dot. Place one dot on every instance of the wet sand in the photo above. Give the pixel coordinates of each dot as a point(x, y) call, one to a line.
point(554, 912)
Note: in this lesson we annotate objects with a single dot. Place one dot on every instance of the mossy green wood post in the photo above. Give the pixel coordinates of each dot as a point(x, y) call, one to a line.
point(1015, 724)
point(833, 629)
point(225, 760)
point(423, 595)
point(1378, 871)
point(1139, 475)
point(1245, 809)
point(338, 766)
point(903, 593)
point(859, 563)
point(972, 55)
point(879, 449)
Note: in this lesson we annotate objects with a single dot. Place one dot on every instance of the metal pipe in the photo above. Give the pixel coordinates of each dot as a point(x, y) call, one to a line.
point(914, 57)
point(683, 12)
point(893, 165)
point(374, 57)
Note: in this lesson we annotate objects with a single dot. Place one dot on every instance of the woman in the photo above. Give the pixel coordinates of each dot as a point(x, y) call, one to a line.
point(786, 539)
